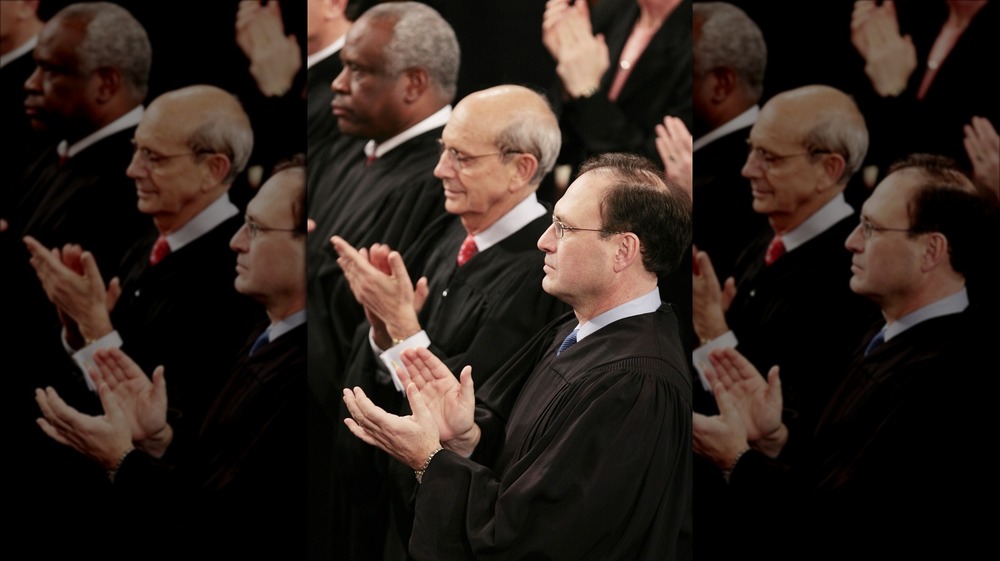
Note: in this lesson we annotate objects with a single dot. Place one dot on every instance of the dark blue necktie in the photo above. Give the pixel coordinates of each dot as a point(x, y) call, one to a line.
point(877, 340)
point(568, 342)
point(262, 340)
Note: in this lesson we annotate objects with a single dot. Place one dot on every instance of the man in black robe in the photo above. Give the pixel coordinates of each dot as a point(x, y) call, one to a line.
point(884, 472)
point(374, 184)
point(237, 492)
point(480, 291)
point(578, 448)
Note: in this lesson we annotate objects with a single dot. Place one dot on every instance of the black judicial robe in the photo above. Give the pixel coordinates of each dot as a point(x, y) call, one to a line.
point(390, 201)
point(478, 314)
point(889, 471)
point(800, 314)
point(185, 314)
point(241, 492)
point(583, 456)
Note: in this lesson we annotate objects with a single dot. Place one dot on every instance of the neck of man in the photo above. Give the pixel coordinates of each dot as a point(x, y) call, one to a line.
point(653, 13)
point(783, 223)
point(168, 223)
point(476, 223)
point(99, 118)
point(280, 308)
point(941, 286)
point(622, 291)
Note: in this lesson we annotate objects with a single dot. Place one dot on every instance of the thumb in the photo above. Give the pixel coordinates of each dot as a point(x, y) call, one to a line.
point(728, 293)
point(774, 387)
point(399, 269)
point(468, 390)
point(159, 385)
point(114, 292)
point(420, 293)
point(90, 269)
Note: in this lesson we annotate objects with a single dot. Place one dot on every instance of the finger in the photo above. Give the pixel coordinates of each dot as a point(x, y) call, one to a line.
point(468, 389)
point(160, 386)
point(420, 293)
point(114, 292)
point(343, 248)
point(310, 225)
point(359, 432)
point(52, 431)
point(774, 387)
point(433, 364)
point(109, 403)
point(399, 269)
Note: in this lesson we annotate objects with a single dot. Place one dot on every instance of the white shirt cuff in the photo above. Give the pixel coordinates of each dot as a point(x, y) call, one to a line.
point(392, 360)
point(700, 355)
point(84, 358)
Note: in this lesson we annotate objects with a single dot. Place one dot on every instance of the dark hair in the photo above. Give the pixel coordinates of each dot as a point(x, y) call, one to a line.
point(642, 201)
point(946, 201)
point(298, 161)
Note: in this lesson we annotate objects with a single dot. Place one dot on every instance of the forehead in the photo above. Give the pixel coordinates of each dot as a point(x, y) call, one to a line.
point(160, 125)
point(365, 42)
point(582, 199)
point(58, 41)
point(272, 205)
point(891, 197)
point(780, 124)
point(468, 128)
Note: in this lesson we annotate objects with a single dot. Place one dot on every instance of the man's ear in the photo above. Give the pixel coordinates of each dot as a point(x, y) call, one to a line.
point(108, 85)
point(217, 166)
point(525, 166)
point(417, 82)
point(629, 251)
point(833, 170)
point(936, 252)
point(725, 83)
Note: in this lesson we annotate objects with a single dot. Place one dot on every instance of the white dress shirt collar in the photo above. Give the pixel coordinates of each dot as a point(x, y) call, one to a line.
point(127, 120)
point(518, 217)
point(744, 119)
point(822, 220)
point(645, 304)
point(953, 304)
point(438, 119)
point(219, 211)
point(281, 327)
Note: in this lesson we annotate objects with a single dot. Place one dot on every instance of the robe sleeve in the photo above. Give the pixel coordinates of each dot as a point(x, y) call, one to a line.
point(606, 476)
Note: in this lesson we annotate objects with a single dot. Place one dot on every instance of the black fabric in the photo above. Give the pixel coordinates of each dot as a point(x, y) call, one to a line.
point(478, 314)
point(584, 456)
point(886, 472)
point(235, 495)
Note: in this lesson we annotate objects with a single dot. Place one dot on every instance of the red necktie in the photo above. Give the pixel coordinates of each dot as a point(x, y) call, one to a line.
point(774, 250)
point(160, 250)
point(467, 250)
point(369, 160)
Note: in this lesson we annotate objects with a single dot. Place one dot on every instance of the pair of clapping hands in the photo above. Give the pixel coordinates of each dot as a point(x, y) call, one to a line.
point(135, 412)
point(443, 412)
point(749, 411)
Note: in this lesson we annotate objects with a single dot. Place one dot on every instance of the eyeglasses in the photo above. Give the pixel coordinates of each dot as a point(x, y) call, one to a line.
point(561, 229)
point(150, 160)
point(867, 229)
point(253, 228)
point(769, 159)
point(459, 160)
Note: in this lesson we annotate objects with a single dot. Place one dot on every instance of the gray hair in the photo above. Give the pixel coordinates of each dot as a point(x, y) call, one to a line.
point(730, 39)
point(840, 132)
point(420, 38)
point(225, 131)
point(529, 132)
point(113, 38)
